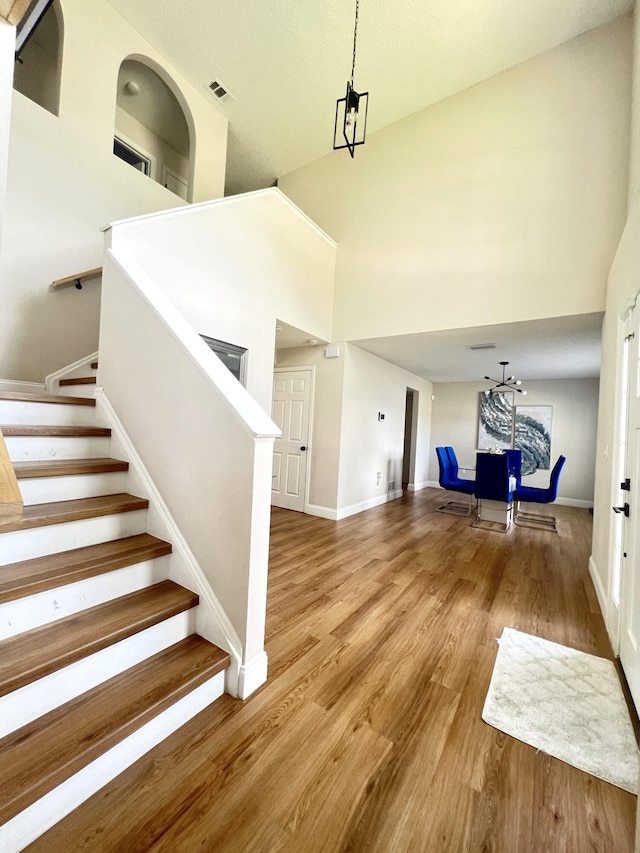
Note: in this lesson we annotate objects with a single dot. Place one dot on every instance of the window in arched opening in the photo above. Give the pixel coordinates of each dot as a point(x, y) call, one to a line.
point(38, 64)
point(151, 131)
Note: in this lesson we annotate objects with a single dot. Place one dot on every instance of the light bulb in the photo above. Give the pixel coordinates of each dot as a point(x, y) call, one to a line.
point(518, 381)
point(352, 115)
point(524, 393)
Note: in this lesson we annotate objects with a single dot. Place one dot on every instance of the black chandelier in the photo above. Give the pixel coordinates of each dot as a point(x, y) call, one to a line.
point(509, 382)
point(351, 111)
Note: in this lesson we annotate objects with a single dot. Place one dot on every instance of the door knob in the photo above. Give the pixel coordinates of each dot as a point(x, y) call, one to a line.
point(303, 447)
point(624, 509)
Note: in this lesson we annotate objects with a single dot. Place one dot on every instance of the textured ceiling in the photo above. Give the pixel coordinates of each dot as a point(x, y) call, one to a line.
point(287, 61)
point(554, 348)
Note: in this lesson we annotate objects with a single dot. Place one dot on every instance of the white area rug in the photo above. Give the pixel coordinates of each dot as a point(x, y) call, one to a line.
point(566, 703)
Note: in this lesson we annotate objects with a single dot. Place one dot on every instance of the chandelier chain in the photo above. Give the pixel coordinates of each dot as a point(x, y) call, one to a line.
point(355, 36)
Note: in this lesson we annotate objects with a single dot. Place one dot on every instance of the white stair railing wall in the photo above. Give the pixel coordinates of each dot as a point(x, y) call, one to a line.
point(206, 445)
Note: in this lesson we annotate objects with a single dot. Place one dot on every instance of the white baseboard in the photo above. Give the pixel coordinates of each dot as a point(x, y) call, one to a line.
point(322, 511)
point(416, 487)
point(212, 620)
point(599, 588)
point(252, 675)
point(574, 502)
point(354, 509)
point(27, 387)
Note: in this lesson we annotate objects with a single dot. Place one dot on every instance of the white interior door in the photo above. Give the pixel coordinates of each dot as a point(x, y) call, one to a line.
point(630, 580)
point(290, 410)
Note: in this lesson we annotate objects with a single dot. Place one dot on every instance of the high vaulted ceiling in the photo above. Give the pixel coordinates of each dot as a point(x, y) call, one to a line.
point(287, 61)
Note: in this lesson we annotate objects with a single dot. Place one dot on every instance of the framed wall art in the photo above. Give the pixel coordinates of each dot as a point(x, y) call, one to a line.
point(495, 423)
point(532, 435)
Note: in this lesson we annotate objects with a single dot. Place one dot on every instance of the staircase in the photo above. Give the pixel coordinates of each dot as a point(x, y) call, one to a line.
point(99, 659)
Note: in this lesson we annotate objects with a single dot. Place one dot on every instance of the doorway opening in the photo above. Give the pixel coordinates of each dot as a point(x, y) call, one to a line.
point(410, 439)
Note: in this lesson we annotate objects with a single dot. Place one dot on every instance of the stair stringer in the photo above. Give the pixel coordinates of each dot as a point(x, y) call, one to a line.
point(212, 622)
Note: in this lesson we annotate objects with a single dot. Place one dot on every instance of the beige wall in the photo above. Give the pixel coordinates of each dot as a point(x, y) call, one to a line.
point(573, 429)
point(502, 203)
point(64, 184)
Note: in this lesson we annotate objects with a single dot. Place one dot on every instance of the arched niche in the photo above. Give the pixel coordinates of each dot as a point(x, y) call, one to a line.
point(38, 67)
point(153, 129)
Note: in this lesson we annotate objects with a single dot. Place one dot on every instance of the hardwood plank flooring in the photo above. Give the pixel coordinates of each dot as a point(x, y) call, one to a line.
point(381, 634)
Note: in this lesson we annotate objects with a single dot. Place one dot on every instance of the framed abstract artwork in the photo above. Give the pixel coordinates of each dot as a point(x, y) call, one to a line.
point(495, 423)
point(532, 432)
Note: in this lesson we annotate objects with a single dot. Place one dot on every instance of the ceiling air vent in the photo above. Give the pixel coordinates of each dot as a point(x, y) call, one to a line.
point(220, 92)
point(481, 346)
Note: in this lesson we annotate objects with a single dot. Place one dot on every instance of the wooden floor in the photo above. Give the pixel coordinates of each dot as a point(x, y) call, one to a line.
point(368, 735)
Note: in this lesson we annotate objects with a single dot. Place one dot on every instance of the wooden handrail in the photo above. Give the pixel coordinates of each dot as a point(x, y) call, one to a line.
point(76, 279)
point(10, 497)
point(13, 11)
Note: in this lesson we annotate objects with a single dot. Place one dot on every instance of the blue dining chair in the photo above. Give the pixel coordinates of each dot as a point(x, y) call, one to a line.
point(450, 481)
point(529, 494)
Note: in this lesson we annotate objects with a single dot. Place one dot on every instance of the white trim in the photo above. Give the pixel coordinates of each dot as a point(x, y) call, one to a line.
point(52, 378)
point(309, 451)
point(29, 824)
point(252, 675)
point(602, 601)
point(16, 385)
point(354, 509)
point(212, 621)
point(322, 511)
point(580, 504)
point(434, 484)
point(241, 198)
point(416, 487)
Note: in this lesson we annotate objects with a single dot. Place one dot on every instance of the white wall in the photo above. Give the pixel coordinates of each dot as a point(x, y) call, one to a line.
point(500, 204)
point(573, 429)
point(232, 267)
point(64, 184)
point(623, 284)
point(369, 446)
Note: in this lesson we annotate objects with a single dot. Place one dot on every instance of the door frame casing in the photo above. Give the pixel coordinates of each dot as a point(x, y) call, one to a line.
point(311, 369)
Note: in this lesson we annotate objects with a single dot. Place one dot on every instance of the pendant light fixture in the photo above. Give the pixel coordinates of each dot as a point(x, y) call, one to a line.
point(351, 111)
point(509, 382)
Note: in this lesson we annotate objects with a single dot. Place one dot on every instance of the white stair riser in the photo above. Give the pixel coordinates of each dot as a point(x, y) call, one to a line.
point(40, 490)
point(23, 829)
point(37, 448)
point(76, 390)
point(18, 412)
point(33, 700)
point(38, 541)
point(22, 614)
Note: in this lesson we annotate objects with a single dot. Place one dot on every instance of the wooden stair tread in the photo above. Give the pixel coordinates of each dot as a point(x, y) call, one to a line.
point(41, 651)
point(28, 397)
point(49, 750)
point(53, 430)
point(28, 577)
point(78, 380)
point(67, 467)
point(58, 512)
